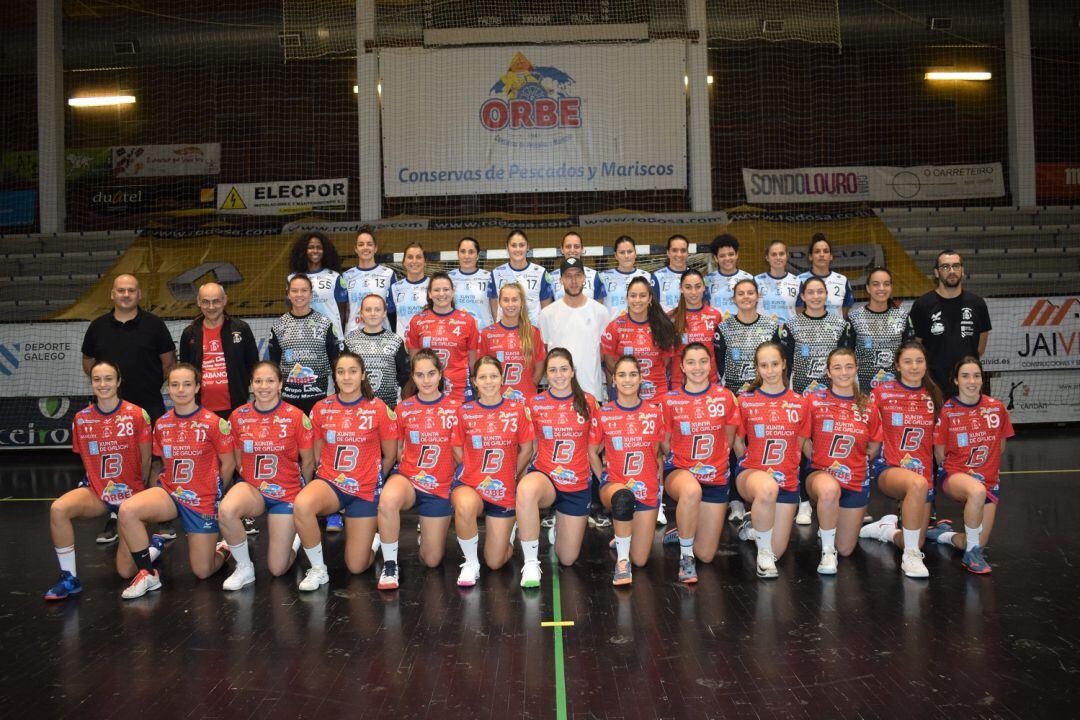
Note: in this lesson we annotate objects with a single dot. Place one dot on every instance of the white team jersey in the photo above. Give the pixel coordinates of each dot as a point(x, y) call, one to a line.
point(593, 289)
point(471, 294)
point(614, 282)
point(839, 291)
point(533, 278)
point(324, 294)
point(777, 296)
point(358, 284)
point(666, 286)
point(407, 298)
point(721, 290)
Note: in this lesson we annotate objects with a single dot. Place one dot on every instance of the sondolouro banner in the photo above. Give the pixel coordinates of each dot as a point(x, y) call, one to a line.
point(533, 119)
point(873, 184)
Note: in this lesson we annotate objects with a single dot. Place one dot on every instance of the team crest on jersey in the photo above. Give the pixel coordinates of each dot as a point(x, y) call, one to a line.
point(617, 442)
point(826, 426)
point(272, 490)
point(549, 432)
point(962, 439)
point(115, 492)
point(492, 488)
point(223, 426)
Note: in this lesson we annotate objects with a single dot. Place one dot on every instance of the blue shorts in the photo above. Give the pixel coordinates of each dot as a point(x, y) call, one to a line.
point(788, 497)
point(879, 466)
point(352, 506)
point(575, 503)
point(717, 494)
point(490, 508)
point(195, 522)
point(85, 483)
point(855, 499)
point(428, 505)
point(277, 507)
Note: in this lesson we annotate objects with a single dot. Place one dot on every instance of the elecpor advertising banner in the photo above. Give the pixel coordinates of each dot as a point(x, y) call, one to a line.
point(873, 184)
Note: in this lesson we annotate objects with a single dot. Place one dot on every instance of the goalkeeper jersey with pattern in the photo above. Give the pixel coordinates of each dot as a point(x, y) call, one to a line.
point(876, 336)
point(807, 342)
point(734, 345)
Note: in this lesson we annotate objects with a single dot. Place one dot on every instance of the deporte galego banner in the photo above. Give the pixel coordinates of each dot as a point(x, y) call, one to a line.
point(533, 119)
point(873, 184)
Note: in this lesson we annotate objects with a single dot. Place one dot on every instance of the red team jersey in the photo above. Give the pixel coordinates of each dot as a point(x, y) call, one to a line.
point(907, 426)
point(839, 432)
point(490, 437)
point(189, 446)
point(563, 438)
point(109, 446)
point(623, 336)
point(452, 336)
point(427, 431)
point(504, 344)
point(772, 425)
point(270, 443)
point(352, 435)
point(972, 436)
point(630, 437)
point(696, 423)
point(700, 327)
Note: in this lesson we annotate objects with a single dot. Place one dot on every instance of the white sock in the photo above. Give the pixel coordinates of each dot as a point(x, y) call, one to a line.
point(469, 548)
point(828, 539)
point(686, 546)
point(314, 556)
point(945, 538)
point(764, 540)
point(530, 549)
point(296, 544)
point(972, 536)
point(389, 552)
point(155, 553)
point(911, 539)
point(66, 556)
point(240, 554)
point(622, 547)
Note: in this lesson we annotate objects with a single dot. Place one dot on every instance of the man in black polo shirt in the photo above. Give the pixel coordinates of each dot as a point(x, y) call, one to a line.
point(950, 321)
point(139, 344)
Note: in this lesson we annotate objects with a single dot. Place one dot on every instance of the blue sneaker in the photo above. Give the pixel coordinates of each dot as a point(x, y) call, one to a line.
point(67, 585)
point(943, 526)
point(975, 562)
point(671, 536)
point(334, 523)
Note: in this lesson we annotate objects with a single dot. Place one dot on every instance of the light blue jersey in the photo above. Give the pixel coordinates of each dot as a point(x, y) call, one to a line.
point(721, 289)
point(615, 282)
point(666, 287)
point(839, 294)
point(471, 294)
point(777, 296)
point(592, 289)
point(532, 277)
point(356, 284)
point(407, 298)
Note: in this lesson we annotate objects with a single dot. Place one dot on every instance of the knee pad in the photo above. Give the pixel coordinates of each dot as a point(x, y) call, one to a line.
point(622, 505)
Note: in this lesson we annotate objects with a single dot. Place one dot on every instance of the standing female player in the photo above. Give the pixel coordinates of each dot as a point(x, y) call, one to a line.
point(564, 424)
point(701, 421)
point(644, 332)
point(878, 328)
point(909, 407)
point(617, 278)
point(425, 469)
point(843, 429)
point(769, 444)
point(695, 321)
point(529, 275)
point(450, 332)
point(355, 441)
point(840, 299)
point(493, 441)
point(408, 296)
point(273, 443)
point(368, 277)
point(314, 255)
point(630, 433)
point(197, 459)
point(665, 281)
point(385, 358)
point(737, 338)
point(516, 343)
point(969, 441)
point(471, 283)
point(303, 344)
point(779, 288)
point(112, 437)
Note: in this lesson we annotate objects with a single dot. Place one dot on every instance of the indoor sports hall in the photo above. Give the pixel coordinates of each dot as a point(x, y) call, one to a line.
point(320, 210)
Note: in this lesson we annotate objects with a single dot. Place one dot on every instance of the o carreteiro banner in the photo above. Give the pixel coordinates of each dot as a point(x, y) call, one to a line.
point(873, 184)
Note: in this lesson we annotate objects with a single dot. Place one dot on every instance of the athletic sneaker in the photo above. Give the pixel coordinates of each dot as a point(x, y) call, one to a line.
point(548, 521)
point(671, 536)
point(661, 516)
point(687, 569)
point(911, 563)
point(802, 517)
point(67, 585)
point(746, 531)
point(143, 583)
point(766, 564)
point(108, 533)
point(389, 578)
point(241, 576)
point(551, 535)
point(942, 526)
point(513, 534)
point(250, 527)
point(600, 519)
point(314, 578)
point(469, 575)
point(623, 573)
point(222, 549)
point(376, 542)
point(736, 511)
point(827, 566)
point(166, 530)
point(975, 562)
point(334, 523)
point(530, 574)
point(882, 530)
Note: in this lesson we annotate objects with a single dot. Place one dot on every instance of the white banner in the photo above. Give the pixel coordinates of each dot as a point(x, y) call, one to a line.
point(873, 184)
point(1034, 334)
point(283, 197)
point(537, 119)
point(160, 160)
point(1041, 397)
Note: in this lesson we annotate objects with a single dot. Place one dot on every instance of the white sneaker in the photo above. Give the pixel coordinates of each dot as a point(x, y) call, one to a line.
point(802, 517)
point(376, 543)
point(766, 564)
point(530, 574)
point(912, 564)
point(661, 516)
point(513, 534)
point(736, 511)
point(746, 531)
point(241, 576)
point(143, 583)
point(551, 535)
point(827, 566)
point(315, 578)
point(882, 530)
point(469, 575)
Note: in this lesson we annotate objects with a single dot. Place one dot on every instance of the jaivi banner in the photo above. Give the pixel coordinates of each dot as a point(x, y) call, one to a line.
point(873, 184)
point(533, 119)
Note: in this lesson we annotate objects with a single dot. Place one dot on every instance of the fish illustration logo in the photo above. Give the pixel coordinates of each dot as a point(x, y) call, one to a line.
point(531, 97)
